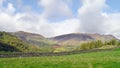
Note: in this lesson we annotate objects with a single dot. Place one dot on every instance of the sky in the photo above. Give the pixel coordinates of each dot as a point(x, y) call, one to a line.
point(56, 17)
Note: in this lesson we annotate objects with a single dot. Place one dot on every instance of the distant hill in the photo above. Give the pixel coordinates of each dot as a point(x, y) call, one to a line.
point(10, 43)
point(38, 40)
point(77, 38)
point(35, 39)
point(30, 42)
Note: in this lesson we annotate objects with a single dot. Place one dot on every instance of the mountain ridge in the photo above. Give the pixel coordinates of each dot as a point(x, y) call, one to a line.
point(71, 38)
point(82, 36)
point(32, 42)
point(32, 38)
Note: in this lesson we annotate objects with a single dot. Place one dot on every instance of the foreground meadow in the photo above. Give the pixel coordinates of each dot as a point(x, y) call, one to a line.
point(107, 59)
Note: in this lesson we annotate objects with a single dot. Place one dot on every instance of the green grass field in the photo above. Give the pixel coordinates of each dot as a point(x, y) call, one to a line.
point(110, 59)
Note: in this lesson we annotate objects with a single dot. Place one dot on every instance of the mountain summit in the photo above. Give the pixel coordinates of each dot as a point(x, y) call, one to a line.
point(81, 37)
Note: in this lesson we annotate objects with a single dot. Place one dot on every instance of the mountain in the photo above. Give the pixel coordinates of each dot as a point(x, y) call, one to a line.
point(43, 43)
point(29, 42)
point(60, 43)
point(10, 43)
point(73, 41)
point(77, 38)
point(32, 38)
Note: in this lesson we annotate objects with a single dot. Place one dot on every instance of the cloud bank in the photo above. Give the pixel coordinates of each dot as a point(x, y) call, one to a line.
point(91, 18)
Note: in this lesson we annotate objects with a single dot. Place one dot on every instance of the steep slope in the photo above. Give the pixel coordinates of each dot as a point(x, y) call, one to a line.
point(10, 43)
point(34, 39)
point(8, 48)
point(38, 40)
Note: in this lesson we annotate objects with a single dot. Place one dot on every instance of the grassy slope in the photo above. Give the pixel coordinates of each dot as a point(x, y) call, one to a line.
point(70, 42)
point(109, 59)
point(10, 43)
point(36, 40)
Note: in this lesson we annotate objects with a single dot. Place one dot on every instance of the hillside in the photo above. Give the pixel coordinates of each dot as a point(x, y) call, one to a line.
point(74, 41)
point(11, 43)
point(68, 42)
point(34, 39)
point(67, 39)
point(76, 38)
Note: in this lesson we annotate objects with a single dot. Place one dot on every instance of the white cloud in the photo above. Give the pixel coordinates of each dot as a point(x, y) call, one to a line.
point(65, 27)
point(94, 20)
point(49, 29)
point(37, 23)
point(90, 15)
point(55, 9)
point(113, 22)
point(7, 21)
point(91, 18)
point(10, 9)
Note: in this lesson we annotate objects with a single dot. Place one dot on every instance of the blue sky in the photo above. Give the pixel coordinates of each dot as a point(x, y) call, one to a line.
point(114, 5)
point(56, 17)
point(74, 5)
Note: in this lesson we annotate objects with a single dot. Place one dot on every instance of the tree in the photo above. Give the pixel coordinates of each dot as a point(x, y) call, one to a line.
point(118, 43)
point(92, 44)
point(112, 42)
point(83, 46)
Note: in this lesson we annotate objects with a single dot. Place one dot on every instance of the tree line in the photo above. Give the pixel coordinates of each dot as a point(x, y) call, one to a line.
point(98, 44)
